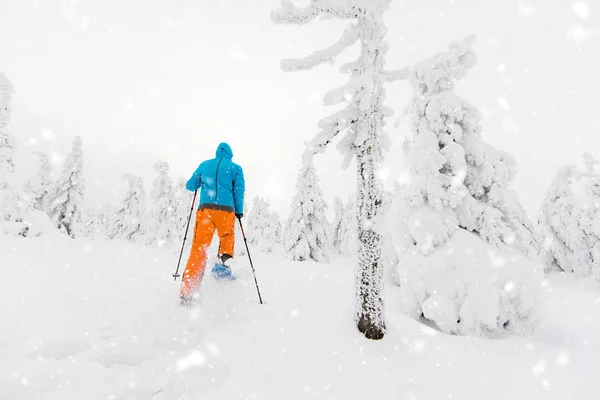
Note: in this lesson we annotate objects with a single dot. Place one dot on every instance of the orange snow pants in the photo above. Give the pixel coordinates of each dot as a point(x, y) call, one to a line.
point(207, 220)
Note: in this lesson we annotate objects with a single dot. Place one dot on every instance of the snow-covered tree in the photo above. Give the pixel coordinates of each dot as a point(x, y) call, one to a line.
point(240, 247)
point(467, 239)
point(40, 185)
point(64, 201)
point(277, 227)
point(90, 224)
point(262, 228)
point(97, 222)
point(17, 215)
point(7, 145)
point(343, 229)
point(161, 214)
point(570, 221)
point(182, 201)
point(457, 179)
point(19, 218)
point(7, 142)
point(554, 206)
point(363, 120)
point(13, 206)
point(307, 234)
point(127, 223)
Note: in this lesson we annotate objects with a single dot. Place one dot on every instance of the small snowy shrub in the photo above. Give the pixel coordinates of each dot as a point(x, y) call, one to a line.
point(470, 287)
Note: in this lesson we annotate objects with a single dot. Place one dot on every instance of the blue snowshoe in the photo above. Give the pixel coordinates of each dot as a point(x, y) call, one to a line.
point(222, 273)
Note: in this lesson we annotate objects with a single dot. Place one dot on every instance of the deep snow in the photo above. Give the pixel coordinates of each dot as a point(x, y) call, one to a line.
point(100, 320)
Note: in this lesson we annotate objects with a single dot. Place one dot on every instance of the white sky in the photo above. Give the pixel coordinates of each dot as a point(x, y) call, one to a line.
point(170, 79)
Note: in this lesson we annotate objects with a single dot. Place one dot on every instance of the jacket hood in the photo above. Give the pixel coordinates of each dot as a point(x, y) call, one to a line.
point(224, 151)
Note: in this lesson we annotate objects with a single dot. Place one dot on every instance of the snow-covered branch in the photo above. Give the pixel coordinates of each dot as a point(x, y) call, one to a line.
point(350, 68)
point(348, 91)
point(289, 13)
point(329, 54)
point(438, 73)
point(331, 127)
point(397, 75)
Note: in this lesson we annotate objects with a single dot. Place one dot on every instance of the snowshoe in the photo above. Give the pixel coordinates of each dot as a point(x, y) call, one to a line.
point(222, 272)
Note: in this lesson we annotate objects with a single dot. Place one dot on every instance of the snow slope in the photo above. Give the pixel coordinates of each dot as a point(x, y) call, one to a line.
point(100, 320)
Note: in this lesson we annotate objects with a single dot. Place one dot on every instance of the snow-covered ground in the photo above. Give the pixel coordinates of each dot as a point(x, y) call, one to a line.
point(100, 320)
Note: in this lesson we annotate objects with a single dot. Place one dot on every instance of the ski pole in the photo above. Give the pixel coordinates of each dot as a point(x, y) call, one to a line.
point(250, 258)
point(176, 274)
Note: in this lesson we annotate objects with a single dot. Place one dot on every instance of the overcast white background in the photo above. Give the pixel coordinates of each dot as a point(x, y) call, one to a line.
point(147, 80)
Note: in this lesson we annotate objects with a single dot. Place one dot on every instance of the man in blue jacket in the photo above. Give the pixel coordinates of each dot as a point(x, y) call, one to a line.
point(222, 186)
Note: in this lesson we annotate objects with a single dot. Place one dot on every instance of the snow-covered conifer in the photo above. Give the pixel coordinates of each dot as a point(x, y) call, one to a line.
point(161, 214)
point(7, 146)
point(555, 206)
point(307, 228)
point(261, 231)
point(182, 201)
point(96, 222)
point(40, 185)
point(7, 142)
point(240, 247)
point(343, 232)
point(570, 221)
point(468, 283)
point(91, 224)
point(127, 223)
point(277, 227)
point(363, 120)
point(457, 179)
point(13, 206)
point(104, 214)
point(64, 201)
point(17, 216)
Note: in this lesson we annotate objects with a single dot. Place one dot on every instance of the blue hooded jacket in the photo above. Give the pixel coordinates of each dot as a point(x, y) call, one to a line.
point(221, 182)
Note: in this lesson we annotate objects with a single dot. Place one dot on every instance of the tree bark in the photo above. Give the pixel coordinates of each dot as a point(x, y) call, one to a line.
point(370, 318)
point(370, 308)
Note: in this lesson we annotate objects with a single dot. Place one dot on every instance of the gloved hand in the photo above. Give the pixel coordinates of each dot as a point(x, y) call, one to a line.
point(239, 216)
